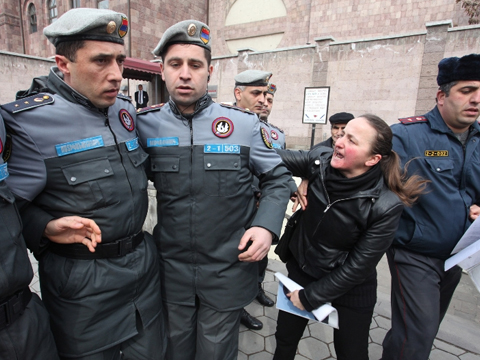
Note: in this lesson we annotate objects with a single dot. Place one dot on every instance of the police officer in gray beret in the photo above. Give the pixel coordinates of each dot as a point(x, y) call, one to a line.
point(204, 157)
point(250, 89)
point(24, 324)
point(77, 171)
point(445, 143)
point(338, 122)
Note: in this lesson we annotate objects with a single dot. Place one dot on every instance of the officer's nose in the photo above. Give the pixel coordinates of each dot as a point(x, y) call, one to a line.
point(116, 72)
point(185, 72)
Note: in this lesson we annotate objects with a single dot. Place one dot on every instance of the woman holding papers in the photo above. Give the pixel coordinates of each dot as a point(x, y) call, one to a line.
point(355, 198)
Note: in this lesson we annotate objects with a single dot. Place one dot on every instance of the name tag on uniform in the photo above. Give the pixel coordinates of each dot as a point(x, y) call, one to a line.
point(435, 153)
point(132, 144)
point(276, 146)
point(79, 145)
point(221, 149)
point(3, 172)
point(161, 142)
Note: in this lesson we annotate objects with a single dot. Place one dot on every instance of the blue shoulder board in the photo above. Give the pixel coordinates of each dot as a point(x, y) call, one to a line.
point(237, 108)
point(149, 109)
point(413, 120)
point(28, 103)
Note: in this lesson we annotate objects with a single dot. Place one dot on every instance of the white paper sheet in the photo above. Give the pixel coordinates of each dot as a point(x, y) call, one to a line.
point(325, 313)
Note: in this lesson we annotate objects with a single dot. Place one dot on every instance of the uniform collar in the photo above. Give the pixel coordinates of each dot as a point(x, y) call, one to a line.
point(201, 104)
point(60, 87)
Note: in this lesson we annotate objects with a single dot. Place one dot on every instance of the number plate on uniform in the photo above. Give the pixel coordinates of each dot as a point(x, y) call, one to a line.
point(221, 148)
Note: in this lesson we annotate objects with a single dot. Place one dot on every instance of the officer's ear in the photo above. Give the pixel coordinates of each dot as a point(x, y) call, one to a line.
point(63, 64)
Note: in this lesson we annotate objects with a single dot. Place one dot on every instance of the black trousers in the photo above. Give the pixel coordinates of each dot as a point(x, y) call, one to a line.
point(350, 341)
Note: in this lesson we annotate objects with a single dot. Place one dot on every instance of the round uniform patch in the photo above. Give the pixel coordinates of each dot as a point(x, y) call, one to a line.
point(266, 138)
point(222, 127)
point(274, 135)
point(126, 119)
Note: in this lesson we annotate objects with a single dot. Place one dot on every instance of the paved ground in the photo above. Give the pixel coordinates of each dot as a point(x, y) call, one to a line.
point(458, 338)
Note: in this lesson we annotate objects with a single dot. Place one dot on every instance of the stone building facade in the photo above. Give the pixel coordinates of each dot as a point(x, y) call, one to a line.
point(377, 56)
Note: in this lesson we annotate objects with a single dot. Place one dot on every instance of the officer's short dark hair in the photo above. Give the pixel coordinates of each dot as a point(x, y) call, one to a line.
point(69, 49)
point(447, 87)
point(208, 54)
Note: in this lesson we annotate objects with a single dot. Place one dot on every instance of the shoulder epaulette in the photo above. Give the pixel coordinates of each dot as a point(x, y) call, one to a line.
point(413, 120)
point(237, 108)
point(276, 127)
point(28, 103)
point(149, 109)
point(124, 97)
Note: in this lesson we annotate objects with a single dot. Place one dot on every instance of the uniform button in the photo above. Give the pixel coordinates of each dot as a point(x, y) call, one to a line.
point(73, 179)
point(107, 171)
point(174, 167)
point(438, 169)
point(209, 165)
point(235, 165)
point(317, 162)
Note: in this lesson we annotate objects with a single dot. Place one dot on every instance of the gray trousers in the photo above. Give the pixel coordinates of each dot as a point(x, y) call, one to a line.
point(146, 345)
point(200, 333)
point(421, 293)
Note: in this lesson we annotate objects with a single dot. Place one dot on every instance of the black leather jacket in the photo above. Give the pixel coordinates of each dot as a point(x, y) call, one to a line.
point(340, 242)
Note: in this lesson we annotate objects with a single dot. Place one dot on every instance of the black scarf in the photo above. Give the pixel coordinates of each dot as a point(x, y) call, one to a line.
point(339, 186)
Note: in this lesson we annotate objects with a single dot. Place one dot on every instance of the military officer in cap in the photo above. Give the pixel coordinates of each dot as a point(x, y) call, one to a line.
point(78, 173)
point(277, 136)
point(250, 90)
point(204, 157)
point(24, 324)
point(338, 122)
point(251, 87)
point(445, 146)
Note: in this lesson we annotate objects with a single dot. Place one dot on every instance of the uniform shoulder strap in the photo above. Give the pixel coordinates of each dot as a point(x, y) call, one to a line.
point(413, 120)
point(28, 103)
point(148, 109)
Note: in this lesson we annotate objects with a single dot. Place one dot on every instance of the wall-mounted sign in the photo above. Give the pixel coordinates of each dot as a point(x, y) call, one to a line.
point(315, 105)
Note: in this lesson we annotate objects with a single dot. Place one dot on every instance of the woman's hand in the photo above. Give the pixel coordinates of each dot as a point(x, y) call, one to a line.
point(295, 299)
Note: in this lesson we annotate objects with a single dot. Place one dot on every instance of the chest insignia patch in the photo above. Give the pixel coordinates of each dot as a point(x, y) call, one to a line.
point(3, 172)
point(222, 127)
point(436, 153)
point(126, 120)
point(274, 135)
point(266, 138)
point(79, 145)
point(162, 142)
point(132, 144)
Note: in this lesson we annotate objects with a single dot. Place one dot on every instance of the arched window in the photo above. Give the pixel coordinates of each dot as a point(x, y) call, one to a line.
point(32, 18)
point(52, 11)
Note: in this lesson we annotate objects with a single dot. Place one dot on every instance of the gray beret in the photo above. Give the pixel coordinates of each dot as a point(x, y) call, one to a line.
point(454, 69)
point(88, 24)
point(271, 89)
point(253, 78)
point(185, 32)
point(341, 118)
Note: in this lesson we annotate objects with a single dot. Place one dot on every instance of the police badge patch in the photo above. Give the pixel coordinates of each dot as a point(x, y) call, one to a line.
point(126, 119)
point(222, 127)
point(266, 138)
point(274, 135)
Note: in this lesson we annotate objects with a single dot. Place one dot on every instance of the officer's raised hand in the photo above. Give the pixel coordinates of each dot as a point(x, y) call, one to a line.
point(74, 229)
point(260, 240)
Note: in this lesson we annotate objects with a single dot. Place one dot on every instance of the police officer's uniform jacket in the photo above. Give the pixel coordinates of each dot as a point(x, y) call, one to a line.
point(428, 227)
point(23, 318)
point(203, 166)
point(70, 158)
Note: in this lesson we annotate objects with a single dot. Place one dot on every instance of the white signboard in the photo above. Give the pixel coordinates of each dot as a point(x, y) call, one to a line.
point(315, 105)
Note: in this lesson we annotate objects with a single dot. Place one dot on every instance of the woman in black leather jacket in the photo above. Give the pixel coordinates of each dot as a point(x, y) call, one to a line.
point(355, 198)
